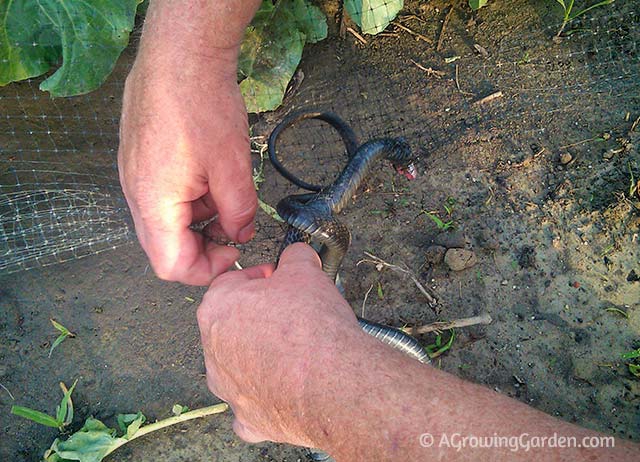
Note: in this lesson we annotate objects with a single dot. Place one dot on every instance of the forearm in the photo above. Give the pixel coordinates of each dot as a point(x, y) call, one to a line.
point(179, 32)
point(375, 403)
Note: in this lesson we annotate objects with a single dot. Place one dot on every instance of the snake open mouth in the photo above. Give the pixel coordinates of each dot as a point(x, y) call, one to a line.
point(409, 172)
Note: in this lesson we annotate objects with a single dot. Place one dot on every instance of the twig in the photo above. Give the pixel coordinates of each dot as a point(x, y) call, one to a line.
point(202, 412)
point(486, 99)
point(380, 263)
point(356, 35)
point(634, 125)
point(429, 70)
point(444, 28)
point(440, 326)
point(414, 33)
point(365, 299)
point(7, 390)
point(411, 16)
point(458, 84)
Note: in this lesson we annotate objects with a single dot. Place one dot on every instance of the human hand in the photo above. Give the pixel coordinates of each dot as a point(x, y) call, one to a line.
point(184, 157)
point(268, 336)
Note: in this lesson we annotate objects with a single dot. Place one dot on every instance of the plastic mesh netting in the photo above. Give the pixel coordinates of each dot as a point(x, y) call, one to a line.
point(433, 75)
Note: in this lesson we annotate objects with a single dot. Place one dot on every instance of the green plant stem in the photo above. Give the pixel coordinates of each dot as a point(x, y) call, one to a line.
point(195, 414)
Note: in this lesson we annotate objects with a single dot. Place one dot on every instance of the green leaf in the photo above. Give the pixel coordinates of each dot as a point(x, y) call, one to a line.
point(36, 416)
point(22, 26)
point(632, 354)
point(88, 36)
point(635, 369)
point(561, 2)
point(477, 4)
point(130, 423)
point(64, 333)
point(373, 16)
point(90, 444)
point(57, 342)
point(65, 411)
point(178, 409)
point(272, 50)
point(63, 330)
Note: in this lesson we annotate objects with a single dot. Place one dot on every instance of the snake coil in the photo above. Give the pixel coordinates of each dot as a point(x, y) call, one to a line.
point(310, 216)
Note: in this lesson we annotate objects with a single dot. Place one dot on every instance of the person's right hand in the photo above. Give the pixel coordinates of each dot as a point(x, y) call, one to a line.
point(184, 157)
point(271, 338)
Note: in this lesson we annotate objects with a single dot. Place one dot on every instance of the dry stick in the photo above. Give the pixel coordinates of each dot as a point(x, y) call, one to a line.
point(634, 125)
point(364, 302)
point(414, 33)
point(444, 27)
point(428, 70)
point(440, 326)
point(491, 97)
point(7, 390)
point(458, 84)
point(356, 35)
point(379, 262)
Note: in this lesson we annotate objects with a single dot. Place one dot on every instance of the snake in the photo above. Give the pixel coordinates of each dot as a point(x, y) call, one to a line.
point(311, 217)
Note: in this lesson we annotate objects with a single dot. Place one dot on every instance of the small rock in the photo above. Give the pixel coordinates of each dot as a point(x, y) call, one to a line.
point(452, 240)
point(435, 254)
point(633, 276)
point(565, 158)
point(460, 259)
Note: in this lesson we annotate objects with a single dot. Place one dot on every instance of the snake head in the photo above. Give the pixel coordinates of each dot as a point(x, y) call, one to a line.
point(408, 171)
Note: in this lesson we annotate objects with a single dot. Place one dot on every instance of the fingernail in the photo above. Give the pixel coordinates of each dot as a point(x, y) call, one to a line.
point(247, 233)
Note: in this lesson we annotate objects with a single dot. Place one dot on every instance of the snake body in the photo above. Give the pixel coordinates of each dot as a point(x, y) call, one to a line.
point(311, 216)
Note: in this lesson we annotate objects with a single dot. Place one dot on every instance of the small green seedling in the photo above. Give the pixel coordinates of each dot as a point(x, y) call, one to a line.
point(633, 354)
point(477, 4)
point(64, 333)
point(634, 368)
point(570, 15)
point(444, 226)
point(95, 441)
point(380, 292)
point(449, 207)
point(64, 411)
point(438, 347)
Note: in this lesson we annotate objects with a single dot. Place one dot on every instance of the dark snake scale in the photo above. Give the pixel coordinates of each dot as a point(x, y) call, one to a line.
point(311, 216)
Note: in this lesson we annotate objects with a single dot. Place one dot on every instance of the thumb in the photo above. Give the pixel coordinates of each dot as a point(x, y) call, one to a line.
point(299, 254)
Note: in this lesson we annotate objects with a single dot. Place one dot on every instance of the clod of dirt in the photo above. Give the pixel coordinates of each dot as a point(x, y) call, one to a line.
point(434, 254)
point(565, 158)
point(527, 257)
point(452, 240)
point(460, 259)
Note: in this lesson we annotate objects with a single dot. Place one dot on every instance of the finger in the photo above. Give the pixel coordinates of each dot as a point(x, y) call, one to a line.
point(234, 277)
point(232, 187)
point(299, 253)
point(202, 209)
point(247, 434)
point(185, 256)
point(259, 272)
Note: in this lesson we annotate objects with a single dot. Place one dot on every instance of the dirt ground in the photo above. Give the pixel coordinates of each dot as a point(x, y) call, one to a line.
point(539, 176)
